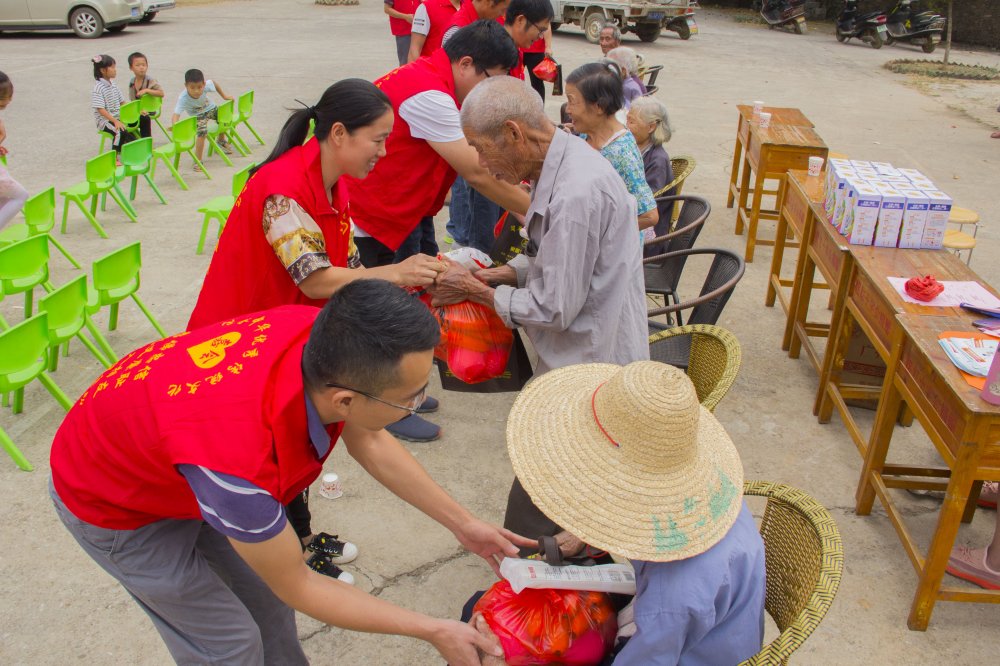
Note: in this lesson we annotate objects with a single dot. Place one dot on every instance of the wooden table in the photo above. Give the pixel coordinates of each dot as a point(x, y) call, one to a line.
point(796, 216)
point(872, 303)
point(779, 116)
point(965, 430)
point(770, 153)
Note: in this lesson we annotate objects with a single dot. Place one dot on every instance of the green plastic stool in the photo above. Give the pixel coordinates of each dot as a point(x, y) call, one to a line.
point(116, 277)
point(67, 310)
point(152, 106)
point(244, 106)
point(220, 207)
point(183, 138)
point(137, 160)
point(23, 359)
point(39, 218)
point(223, 127)
point(23, 266)
point(100, 180)
point(128, 114)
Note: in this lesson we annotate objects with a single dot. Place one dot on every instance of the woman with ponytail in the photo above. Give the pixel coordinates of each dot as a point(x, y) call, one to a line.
point(288, 238)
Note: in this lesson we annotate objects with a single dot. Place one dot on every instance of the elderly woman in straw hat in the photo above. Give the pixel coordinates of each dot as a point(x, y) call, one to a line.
point(629, 461)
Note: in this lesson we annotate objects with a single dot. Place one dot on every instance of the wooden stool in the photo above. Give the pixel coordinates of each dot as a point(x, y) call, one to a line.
point(963, 216)
point(957, 241)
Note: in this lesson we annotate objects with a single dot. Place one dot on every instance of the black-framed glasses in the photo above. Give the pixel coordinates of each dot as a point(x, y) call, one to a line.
point(541, 31)
point(412, 407)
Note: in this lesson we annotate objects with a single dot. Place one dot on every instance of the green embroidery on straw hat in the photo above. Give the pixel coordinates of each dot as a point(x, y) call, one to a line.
point(721, 500)
point(672, 539)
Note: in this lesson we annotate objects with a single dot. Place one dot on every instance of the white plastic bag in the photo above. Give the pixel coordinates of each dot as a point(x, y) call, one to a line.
point(470, 257)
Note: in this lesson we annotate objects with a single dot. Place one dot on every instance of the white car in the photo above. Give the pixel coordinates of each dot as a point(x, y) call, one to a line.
point(151, 7)
point(87, 18)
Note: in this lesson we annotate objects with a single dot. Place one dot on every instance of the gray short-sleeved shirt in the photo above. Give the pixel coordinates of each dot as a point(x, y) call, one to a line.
point(581, 298)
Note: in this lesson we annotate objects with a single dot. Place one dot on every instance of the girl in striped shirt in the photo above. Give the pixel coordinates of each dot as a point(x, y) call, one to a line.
point(106, 101)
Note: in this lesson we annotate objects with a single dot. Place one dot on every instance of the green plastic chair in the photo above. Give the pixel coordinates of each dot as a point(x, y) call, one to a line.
point(116, 277)
point(223, 126)
point(100, 179)
point(23, 358)
point(137, 160)
point(184, 134)
point(152, 106)
point(23, 266)
point(39, 218)
point(220, 207)
point(244, 106)
point(67, 310)
point(128, 114)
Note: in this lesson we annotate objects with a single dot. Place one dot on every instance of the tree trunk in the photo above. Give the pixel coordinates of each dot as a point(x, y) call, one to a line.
point(947, 39)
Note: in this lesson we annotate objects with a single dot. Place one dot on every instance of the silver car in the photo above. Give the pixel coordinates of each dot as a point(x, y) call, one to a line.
point(87, 18)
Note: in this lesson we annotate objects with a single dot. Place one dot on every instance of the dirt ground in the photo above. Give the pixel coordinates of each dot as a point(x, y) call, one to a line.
point(58, 607)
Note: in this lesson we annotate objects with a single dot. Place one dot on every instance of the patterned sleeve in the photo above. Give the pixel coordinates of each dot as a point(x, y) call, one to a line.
point(635, 179)
point(295, 237)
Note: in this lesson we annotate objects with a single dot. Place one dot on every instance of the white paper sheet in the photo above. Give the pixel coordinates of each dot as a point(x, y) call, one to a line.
point(955, 293)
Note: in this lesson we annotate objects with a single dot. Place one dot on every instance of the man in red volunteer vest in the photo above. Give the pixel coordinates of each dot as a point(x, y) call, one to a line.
point(473, 10)
point(430, 20)
point(400, 13)
point(426, 147)
point(173, 469)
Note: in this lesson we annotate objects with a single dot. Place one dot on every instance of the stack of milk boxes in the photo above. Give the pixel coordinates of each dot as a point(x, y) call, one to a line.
point(874, 203)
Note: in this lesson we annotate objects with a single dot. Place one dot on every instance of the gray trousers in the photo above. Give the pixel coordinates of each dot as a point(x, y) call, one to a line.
point(402, 48)
point(206, 602)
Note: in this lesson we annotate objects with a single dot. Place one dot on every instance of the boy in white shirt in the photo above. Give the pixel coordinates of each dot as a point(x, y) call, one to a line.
point(195, 102)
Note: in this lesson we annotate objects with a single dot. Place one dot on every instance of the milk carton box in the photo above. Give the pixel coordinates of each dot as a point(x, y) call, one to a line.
point(842, 204)
point(835, 190)
point(883, 166)
point(838, 161)
point(911, 233)
point(899, 180)
point(861, 163)
point(865, 204)
point(890, 217)
point(922, 184)
point(888, 171)
point(938, 212)
point(912, 173)
point(866, 173)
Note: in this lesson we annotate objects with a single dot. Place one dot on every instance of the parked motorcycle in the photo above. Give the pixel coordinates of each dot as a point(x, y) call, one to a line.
point(779, 13)
point(869, 28)
point(922, 28)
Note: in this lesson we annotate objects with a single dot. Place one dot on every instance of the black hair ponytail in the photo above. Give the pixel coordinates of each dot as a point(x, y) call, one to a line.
point(353, 103)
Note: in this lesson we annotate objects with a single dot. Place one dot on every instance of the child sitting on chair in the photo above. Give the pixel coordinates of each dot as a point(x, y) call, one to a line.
point(194, 102)
point(106, 100)
point(140, 86)
point(12, 193)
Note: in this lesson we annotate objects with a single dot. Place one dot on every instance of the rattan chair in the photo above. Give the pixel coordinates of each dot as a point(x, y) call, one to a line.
point(710, 355)
point(661, 277)
point(804, 558)
point(681, 166)
point(726, 271)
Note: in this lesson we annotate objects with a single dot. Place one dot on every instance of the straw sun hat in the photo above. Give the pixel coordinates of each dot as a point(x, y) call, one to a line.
point(626, 459)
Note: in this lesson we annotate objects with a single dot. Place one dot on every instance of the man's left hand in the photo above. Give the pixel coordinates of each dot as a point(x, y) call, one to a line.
point(490, 542)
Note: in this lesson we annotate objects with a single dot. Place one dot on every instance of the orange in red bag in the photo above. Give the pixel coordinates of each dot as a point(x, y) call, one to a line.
point(546, 70)
point(541, 626)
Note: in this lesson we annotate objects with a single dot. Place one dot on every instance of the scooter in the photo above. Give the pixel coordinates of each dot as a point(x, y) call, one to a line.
point(869, 28)
point(779, 13)
point(905, 25)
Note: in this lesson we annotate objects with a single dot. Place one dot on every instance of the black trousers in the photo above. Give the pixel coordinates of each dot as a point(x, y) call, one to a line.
point(373, 253)
point(531, 60)
point(299, 516)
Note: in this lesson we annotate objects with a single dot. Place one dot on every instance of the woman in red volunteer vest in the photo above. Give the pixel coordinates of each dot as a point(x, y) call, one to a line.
point(288, 239)
point(430, 20)
point(400, 13)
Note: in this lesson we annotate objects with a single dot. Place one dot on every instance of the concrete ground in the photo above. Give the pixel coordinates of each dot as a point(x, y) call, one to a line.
point(58, 607)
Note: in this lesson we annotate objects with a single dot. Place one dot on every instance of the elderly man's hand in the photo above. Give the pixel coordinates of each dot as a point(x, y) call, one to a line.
point(454, 285)
point(498, 275)
point(569, 544)
point(478, 622)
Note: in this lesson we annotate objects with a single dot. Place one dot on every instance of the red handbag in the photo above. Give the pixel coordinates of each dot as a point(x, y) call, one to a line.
point(546, 70)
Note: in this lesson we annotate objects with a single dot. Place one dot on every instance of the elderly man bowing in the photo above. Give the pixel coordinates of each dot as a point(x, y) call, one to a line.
point(578, 290)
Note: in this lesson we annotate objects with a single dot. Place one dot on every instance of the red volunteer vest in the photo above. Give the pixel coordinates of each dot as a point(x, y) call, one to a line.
point(439, 14)
point(411, 181)
point(537, 46)
point(228, 396)
point(399, 27)
point(464, 16)
point(245, 275)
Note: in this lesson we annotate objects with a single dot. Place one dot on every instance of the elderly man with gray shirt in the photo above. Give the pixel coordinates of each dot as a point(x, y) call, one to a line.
point(578, 290)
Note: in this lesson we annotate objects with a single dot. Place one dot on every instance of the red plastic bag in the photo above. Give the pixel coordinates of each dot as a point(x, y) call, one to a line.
point(550, 626)
point(475, 343)
point(546, 70)
point(923, 288)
